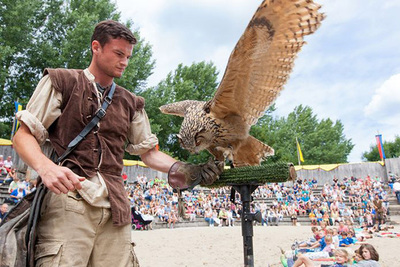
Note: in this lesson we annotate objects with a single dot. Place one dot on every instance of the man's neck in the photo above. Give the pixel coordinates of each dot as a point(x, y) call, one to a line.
point(100, 78)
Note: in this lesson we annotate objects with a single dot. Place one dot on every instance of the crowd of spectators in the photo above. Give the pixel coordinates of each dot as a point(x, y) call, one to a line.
point(350, 200)
point(346, 244)
point(17, 187)
point(157, 199)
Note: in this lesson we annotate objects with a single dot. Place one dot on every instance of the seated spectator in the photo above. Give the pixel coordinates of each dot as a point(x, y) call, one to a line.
point(148, 218)
point(342, 228)
point(341, 260)
point(172, 219)
point(316, 236)
point(279, 214)
point(223, 216)
point(8, 164)
point(190, 211)
point(396, 190)
point(14, 184)
point(215, 217)
point(314, 182)
point(10, 176)
point(231, 217)
point(325, 218)
point(347, 240)
point(370, 257)
point(32, 185)
point(326, 249)
point(18, 194)
point(293, 218)
point(161, 213)
point(3, 211)
point(272, 217)
point(2, 169)
point(264, 217)
point(208, 217)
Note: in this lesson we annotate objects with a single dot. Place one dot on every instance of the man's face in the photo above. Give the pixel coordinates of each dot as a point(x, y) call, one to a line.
point(4, 208)
point(113, 57)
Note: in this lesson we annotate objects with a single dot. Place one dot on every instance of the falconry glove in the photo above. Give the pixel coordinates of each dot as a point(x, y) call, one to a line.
point(183, 175)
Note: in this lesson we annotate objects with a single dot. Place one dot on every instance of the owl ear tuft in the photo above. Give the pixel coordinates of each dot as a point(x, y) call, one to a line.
point(179, 108)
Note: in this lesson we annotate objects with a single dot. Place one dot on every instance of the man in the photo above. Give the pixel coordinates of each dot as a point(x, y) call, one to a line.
point(2, 169)
point(87, 213)
point(17, 194)
point(3, 211)
point(379, 212)
point(396, 189)
point(223, 216)
point(8, 164)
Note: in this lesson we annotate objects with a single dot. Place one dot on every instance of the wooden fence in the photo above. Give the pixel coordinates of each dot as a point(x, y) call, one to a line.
point(359, 170)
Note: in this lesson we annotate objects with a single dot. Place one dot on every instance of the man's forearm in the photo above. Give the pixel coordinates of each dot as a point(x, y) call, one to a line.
point(158, 160)
point(56, 178)
point(28, 149)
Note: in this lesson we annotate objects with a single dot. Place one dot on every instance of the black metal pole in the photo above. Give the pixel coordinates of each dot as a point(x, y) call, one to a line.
point(247, 222)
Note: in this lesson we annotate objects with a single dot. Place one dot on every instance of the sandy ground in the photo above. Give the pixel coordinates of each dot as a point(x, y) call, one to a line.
point(206, 246)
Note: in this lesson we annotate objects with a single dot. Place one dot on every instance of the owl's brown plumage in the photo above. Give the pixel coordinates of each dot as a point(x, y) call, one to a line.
point(258, 68)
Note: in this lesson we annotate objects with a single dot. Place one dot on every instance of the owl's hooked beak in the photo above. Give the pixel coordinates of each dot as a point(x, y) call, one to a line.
point(192, 149)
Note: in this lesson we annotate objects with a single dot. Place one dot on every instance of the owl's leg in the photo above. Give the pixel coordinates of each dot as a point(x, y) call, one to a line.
point(217, 153)
point(228, 153)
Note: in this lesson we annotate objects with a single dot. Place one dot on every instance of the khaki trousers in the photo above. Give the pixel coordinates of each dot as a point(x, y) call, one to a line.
point(73, 233)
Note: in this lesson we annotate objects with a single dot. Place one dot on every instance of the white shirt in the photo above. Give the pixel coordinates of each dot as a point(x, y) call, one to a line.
point(396, 186)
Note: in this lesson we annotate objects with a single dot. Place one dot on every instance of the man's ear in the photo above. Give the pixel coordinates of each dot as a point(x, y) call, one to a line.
point(96, 47)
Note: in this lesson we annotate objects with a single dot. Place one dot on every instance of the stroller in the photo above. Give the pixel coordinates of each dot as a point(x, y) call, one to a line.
point(138, 222)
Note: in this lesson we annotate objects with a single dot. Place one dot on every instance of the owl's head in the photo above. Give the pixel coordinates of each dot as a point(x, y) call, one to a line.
point(194, 134)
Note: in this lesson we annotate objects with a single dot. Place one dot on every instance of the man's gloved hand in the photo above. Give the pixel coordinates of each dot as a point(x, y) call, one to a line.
point(183, 175)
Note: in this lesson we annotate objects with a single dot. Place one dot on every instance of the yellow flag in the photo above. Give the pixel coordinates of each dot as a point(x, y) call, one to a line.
point(299, 151)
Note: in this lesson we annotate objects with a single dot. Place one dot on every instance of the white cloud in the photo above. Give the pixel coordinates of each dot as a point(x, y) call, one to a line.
point(385, 103)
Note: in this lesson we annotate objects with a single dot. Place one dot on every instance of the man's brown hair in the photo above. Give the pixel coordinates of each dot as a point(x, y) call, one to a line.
point(112, 29)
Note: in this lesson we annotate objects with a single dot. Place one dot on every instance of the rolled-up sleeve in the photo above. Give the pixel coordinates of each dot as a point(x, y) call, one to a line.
point(140, 137)
point(42, 110)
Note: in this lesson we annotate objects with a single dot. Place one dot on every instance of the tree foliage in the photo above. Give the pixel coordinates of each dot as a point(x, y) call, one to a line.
point(322, 142)
point(38, 34)
point(391, 149)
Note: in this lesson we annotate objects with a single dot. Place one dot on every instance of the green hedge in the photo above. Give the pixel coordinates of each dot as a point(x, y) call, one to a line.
point(276, 172)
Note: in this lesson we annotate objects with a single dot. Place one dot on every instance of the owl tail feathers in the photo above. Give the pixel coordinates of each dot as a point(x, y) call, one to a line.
point(251, 152)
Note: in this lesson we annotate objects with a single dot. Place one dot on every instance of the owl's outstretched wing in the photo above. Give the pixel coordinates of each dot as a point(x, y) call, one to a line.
point(179, 108)
point(263, 58)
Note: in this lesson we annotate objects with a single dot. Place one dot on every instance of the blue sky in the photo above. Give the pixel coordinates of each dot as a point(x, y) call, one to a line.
point(349, 70)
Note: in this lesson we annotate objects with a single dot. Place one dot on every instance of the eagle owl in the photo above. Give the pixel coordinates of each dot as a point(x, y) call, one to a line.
point(257, 69)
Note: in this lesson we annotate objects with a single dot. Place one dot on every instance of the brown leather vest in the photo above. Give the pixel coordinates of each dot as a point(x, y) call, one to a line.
point(103, 148)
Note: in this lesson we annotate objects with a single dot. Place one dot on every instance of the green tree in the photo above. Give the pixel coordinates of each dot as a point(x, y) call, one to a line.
point(322, 142)
point(391, 149)
point(195, 82)
point(17, 22)
point(38, 34)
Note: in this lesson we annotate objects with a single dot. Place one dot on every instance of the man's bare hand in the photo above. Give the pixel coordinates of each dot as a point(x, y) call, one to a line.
point(60, 179)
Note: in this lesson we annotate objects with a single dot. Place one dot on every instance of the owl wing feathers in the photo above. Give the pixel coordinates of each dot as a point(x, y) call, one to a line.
point(179, 108)
point(263, 58)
